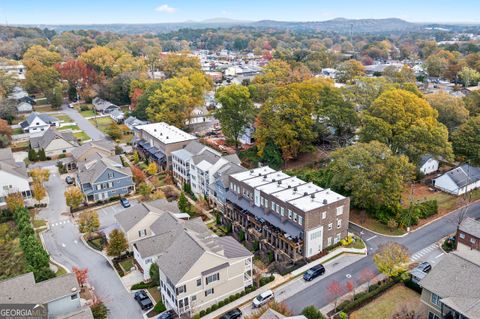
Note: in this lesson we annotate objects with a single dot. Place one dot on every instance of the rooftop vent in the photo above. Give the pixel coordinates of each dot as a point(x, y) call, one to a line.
point(289, 186)
point(325, 202)
point(273, 180)
point(264, 176)
point(312, 196)
point(251, 171)
point(305, 194)
point(295, 189)
point(279, 182)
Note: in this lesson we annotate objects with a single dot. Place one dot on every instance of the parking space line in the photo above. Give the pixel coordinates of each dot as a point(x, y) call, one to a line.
point(438, 255)
point(374, 236)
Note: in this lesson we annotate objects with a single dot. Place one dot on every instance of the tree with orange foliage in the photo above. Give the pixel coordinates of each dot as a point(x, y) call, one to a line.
point(138, 174)
point(81, 274)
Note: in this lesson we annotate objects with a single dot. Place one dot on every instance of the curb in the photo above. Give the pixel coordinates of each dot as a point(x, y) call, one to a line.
point(42, 240)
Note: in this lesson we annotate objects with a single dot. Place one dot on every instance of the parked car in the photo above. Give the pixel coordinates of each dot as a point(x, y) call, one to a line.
point(124, 202)
point(169, 314)
point(143, 300)
point(232, 314)
point(69, 180)
point(262, 299)
point(425, 267)
point(70, 105)
point(314, 272)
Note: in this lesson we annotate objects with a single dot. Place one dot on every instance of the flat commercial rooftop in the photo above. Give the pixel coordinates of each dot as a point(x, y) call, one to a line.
point(165, 133)
point(253, 173)
point(316, 200)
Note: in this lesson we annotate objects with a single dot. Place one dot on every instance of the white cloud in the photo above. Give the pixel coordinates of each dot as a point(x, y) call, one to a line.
point(165, 8)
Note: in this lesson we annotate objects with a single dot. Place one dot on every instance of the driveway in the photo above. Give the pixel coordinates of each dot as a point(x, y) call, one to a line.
point(107, 219)
point(90, 129)
point(421, 245)
point(63, 243)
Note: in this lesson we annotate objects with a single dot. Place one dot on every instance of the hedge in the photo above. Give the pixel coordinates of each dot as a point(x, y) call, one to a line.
point(364, 298)
point(143, 285)
point(159, 307)
point(415, 287)
point(266, 280)
point(224, 302)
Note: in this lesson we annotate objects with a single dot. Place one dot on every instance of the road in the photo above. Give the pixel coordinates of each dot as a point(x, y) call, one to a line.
point(94, 133)
point(63, 243)
point(421, 245)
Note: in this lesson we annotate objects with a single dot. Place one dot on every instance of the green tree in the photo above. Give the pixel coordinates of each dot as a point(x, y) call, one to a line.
point(348, 70)
point(173, 64)
point(469, 76)
point(99, 310)
point(237, 111)
point(114, 131)
point(311, 312)
point(155, 274)
point(41, 156)
point(472, 103)
point(372, 174)
point(136, 157)
point(288, 122)
point(39, 191)
point(391, 259)
point(43, 274)
point(451, 110)
point(466, 140)
point(74, 197)
point(407, 124)
point(183, 204)
point(88, 222)
point(117, 243)
point(145, 189)
point(32, 155)
point(37, 53)
point(55, 96)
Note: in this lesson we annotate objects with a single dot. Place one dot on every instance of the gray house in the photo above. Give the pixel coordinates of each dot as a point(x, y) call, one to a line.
point(104, 107)
point(60, 294)
point(219, 188)
point(101, 178)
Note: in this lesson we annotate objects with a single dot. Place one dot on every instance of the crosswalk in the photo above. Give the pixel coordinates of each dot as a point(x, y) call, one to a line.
point(424, 251)
point(59, 223)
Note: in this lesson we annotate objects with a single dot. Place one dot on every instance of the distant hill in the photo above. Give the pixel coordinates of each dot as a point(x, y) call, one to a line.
point(340, 25)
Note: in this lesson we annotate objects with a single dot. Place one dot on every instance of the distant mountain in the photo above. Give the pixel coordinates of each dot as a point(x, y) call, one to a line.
point(340, 25)
point(343, 25)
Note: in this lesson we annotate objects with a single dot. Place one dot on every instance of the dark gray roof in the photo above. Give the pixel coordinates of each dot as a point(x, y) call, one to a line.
point(102, 105)
point(194, 147)
point(90, 171)
point(455, 278)
point(233, 158)
point(464, 174)
point(133, 121)
point(424, 159)
point(50, 135)
point(44, 117)
point(207, 155)
point(7, 164)
point(155, 245)
point(470, 226)
point(232, 248)
point(226, 170)
point(23, 289)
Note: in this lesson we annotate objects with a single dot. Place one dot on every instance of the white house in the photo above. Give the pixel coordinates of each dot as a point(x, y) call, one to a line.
point(37, 123)
point(24, 107)
point(459, 180)
point(54, 143)
point(428, 164)
point(13, 177)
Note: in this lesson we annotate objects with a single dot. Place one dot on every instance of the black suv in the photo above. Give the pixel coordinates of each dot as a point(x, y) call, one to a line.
point(314, 272)
point(143, 300)
point(232, 314)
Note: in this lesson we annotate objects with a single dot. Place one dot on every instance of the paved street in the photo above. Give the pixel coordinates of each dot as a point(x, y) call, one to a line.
point(420, 243)
point(64, 245)
point(84, 124)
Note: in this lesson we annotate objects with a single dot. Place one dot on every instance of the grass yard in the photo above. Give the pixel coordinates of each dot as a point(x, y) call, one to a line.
point(87, 113)
point(17, 131)
point(63, 117)
point(102, 123)
point(127, 264)
point(155, 293)
point(12, 260)
point(373, 224)
point(69, 127)
point(44, 108)
point(387, 304)
point(82, 136)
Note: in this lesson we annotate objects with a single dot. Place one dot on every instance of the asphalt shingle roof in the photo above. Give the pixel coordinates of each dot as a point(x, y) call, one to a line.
point(50, 135)
point(470, 226)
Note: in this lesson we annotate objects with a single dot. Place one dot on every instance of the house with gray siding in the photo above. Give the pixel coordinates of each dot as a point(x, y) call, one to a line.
point(60, 294)
point(101, 178)
point(54, 143)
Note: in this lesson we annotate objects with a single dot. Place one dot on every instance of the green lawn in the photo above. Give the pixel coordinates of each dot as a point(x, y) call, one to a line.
point(155, 293)
point(373, 224)
point(127, 264)
point(82, 136)
point(12, 260)
point(387, 304)
point(87, 113)
point(102, 123)
point(69, 127)
point(39, 223)
point(64, 117)
point(17, 131)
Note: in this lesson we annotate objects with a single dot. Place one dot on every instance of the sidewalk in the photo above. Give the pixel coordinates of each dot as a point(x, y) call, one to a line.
point(282, 284)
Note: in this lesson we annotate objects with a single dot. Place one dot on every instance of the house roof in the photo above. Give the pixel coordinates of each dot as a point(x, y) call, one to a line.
point(424, 159)
point(452, 279)
point(207, 156)
point(90, 171)
point(470, 226)
point(23, 289)
point(44, 117)
point(103, 146)
point(8, 164)
point(231, 248)
point(226, 170)
point(133, 121)
point(102, 105)
point(50, 135)
point(464, 175)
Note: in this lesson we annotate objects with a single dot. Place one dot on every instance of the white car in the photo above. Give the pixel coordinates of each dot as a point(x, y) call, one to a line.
point(262, 299)
point(70, 105)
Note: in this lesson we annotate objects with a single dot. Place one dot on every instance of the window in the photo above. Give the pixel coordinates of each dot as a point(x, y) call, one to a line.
point(329, 241)
point(432, 316)
point(199, 282)
point(435, 299)
point(194, 298)
point(273, 206)
point(462, 235)
point(324, 215)
point(295, 217)
point(330, 226)
point(212, 278)
point(142, 232)
point(290, 215)
point(266, 203)
point(282, 211)
point(473, 240)
point(181, 289)
point(339, 223)
point(73, 297)
point(300, 220)
point(339, 210)
point(209, 292)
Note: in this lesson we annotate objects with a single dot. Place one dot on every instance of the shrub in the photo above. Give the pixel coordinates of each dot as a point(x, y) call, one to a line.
point(449, 244)
point(221, 304)
point(346, 241)
point(415, 287)
point(311, 312)
point(348, 306)
point(159, 307)
point(266, 280)
point(214, 307)
point(143, 285)
point(202, 313)
point(197, 316)
point(342, 315)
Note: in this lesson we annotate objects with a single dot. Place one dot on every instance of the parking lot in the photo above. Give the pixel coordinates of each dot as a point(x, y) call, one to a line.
point(106, 216)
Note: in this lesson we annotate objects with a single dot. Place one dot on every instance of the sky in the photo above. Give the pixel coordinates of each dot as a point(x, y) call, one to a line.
point(148, 11)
